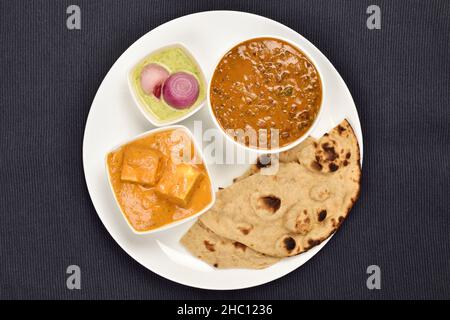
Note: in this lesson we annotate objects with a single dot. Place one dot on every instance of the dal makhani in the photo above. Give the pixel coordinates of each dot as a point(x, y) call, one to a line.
point(263, 84)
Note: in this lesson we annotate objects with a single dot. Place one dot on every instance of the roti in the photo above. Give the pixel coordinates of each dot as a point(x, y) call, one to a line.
point(294, 209)
point(220, 252)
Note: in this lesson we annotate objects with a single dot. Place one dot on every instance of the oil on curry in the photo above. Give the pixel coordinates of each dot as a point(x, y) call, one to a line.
point(152, 186)
point(266, 83)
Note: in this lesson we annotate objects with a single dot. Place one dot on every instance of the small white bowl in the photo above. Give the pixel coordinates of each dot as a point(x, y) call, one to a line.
point(178, 222)
point(143, 107)
point(300, 139)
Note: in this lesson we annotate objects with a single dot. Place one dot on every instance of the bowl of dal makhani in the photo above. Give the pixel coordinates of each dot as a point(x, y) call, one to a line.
point(159, 179)
point(266, 94)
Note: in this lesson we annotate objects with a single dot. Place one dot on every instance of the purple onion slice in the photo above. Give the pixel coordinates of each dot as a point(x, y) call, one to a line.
point(152, 78)
point(180, 90)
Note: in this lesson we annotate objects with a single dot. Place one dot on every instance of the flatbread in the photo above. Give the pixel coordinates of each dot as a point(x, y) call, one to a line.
point(221, 252)
point(289, 212)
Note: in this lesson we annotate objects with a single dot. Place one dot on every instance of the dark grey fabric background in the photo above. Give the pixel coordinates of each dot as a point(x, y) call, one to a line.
point(399, 77)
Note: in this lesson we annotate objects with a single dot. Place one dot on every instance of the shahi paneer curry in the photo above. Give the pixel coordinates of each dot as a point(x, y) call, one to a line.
point(264, 84)
point(158, 179)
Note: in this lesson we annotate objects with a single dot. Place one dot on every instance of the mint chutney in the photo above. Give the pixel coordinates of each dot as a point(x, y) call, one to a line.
point(174, 59)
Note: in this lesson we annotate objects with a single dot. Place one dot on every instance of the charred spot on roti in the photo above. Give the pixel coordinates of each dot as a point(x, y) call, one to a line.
point(297, 219)
point(345, 163)
point(330, 153)
point(216, 265)
point(316, 166)
point(348, 155)
point(244, 231)
point(340, 129)
point(314, 242)
point(322, 215)
point(271, 203)
point(239, 245)
point(333, 167)
point(209, 246)
point(303, 226)
point(289, 243)
point(334, 223)
point(265, 204)
point(337, 223)
point(221, 188)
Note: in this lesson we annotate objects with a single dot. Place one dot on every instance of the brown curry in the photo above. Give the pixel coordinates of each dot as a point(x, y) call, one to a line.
point(153, 188)
point(266, 83)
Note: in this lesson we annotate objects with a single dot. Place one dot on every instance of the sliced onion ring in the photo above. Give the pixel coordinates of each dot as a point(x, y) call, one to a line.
point(180, 90)
point(152, 77)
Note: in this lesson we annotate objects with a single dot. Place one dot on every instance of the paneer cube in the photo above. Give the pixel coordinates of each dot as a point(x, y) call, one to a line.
point(178, 183)
point(141, 165)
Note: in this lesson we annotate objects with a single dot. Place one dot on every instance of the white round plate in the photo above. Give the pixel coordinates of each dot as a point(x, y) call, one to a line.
point(113, 118)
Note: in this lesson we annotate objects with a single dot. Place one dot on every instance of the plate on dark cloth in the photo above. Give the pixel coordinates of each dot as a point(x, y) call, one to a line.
point(113, 119)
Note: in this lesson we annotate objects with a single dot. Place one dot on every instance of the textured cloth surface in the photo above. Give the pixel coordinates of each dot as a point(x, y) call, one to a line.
point(399, 77)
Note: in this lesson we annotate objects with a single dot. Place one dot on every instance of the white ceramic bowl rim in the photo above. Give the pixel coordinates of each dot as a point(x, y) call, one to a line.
point(300, 139)
point(199, 152)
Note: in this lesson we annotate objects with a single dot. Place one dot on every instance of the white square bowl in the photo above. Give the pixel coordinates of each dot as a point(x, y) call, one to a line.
point(143, 107)
point(198, 152)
